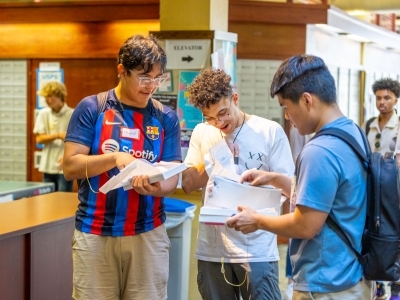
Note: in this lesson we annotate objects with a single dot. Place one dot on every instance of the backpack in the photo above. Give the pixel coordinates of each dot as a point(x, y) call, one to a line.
point(380, 254)
point(102, 101)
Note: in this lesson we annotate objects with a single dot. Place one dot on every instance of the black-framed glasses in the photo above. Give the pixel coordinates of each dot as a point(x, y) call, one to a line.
point(222, 116)
point(145, 81)
point(378, 143)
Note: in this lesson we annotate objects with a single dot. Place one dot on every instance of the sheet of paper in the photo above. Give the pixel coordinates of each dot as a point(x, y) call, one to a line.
point(219, 170)
point(221, 153)
point(228, 193)
point(218, 216)
point(164, 170)
point(137, 166)
point(143, 167)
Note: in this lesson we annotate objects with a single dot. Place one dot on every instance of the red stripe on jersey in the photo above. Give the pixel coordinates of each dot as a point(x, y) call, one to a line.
point(101, 199)
point(98, 214)
point(133, 196)
point(138, 123)
point(131, 212)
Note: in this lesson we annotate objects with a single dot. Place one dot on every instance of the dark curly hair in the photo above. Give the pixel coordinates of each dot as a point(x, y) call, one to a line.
point(387, 84)
point(209, 87)
point(139, 52)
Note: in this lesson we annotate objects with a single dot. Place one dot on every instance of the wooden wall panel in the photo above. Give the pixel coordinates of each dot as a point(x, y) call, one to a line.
point(268, 41)
point(69, 40)
point(79, 11)
point(277, 13)
point(82, 77)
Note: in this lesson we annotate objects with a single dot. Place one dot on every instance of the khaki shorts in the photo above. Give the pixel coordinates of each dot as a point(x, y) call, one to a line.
point(129, 267)
point(364, 290)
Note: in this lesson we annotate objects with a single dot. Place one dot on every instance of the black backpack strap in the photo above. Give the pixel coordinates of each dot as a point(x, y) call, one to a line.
point(350, 140)
point(101, 102)
point(339, 231)
point(364, 158)
point(158, 110)
point(368, 125)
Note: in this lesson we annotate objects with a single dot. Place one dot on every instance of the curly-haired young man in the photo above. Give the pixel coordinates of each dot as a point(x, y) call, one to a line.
point(256, 143)
point(382, 132)
point(382, 129)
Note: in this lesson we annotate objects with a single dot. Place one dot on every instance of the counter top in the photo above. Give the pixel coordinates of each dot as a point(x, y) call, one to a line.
point(38, 212)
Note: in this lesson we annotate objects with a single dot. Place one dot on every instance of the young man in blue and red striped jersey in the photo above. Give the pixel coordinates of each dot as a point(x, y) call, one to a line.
point(120, 245)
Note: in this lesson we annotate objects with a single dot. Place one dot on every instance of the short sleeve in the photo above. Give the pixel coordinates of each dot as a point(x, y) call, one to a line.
point(316, 187)
point(40, 123)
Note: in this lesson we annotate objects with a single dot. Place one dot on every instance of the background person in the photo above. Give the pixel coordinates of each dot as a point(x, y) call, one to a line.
point(382, 131)
point(258, 143)
point(120, 244)
point(330, 180)
point(50, 127)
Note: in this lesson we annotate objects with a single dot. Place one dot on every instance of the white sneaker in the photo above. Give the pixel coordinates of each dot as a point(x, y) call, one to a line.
point(289, 290)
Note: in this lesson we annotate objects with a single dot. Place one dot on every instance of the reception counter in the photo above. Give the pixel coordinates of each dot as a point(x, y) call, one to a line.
point(35, 247)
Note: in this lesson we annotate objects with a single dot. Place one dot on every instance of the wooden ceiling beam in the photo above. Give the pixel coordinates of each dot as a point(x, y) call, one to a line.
point(277, 13)
point(79, 11)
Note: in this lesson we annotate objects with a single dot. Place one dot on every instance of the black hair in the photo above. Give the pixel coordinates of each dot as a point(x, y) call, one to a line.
point(304, 73)
point(209, 87)
point(139, 52)
point(387, 84)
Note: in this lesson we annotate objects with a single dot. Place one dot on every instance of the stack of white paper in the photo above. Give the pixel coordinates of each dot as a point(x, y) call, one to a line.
point(218, 216)
point(224, 193)
point(156, 172)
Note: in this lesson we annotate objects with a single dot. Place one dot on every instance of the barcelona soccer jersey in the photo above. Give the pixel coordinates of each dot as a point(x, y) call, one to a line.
point(150, 133)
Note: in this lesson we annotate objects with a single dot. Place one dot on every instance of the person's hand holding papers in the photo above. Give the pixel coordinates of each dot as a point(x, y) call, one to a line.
point(248, 220)
point(142, 186)
point(245, 221)
point(145, 177)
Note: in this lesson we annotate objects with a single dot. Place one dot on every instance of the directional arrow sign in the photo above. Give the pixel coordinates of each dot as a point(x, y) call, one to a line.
point(188, 54)
point(188, 58)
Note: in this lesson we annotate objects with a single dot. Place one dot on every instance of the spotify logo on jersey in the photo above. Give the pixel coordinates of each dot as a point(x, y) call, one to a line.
point(110, 146)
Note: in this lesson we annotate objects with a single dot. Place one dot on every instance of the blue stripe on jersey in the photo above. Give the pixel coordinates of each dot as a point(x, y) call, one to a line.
point(120, 209)
point(91, 205)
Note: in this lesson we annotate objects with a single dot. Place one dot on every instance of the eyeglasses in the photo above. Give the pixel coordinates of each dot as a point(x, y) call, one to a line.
point(222, 116)
point(145, 81)
point(377, 143)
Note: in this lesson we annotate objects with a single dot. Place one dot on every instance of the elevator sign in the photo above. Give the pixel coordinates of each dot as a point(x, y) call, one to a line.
point(188, 54)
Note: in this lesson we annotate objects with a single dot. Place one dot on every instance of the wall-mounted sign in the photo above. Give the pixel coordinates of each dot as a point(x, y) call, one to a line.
point(48, 71)
point(189, 116)
point(169, 100)
point(188, 54)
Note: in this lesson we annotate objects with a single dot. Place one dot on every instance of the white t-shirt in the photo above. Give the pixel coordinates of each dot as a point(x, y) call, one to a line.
point(50, 122)
point(263, 145)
